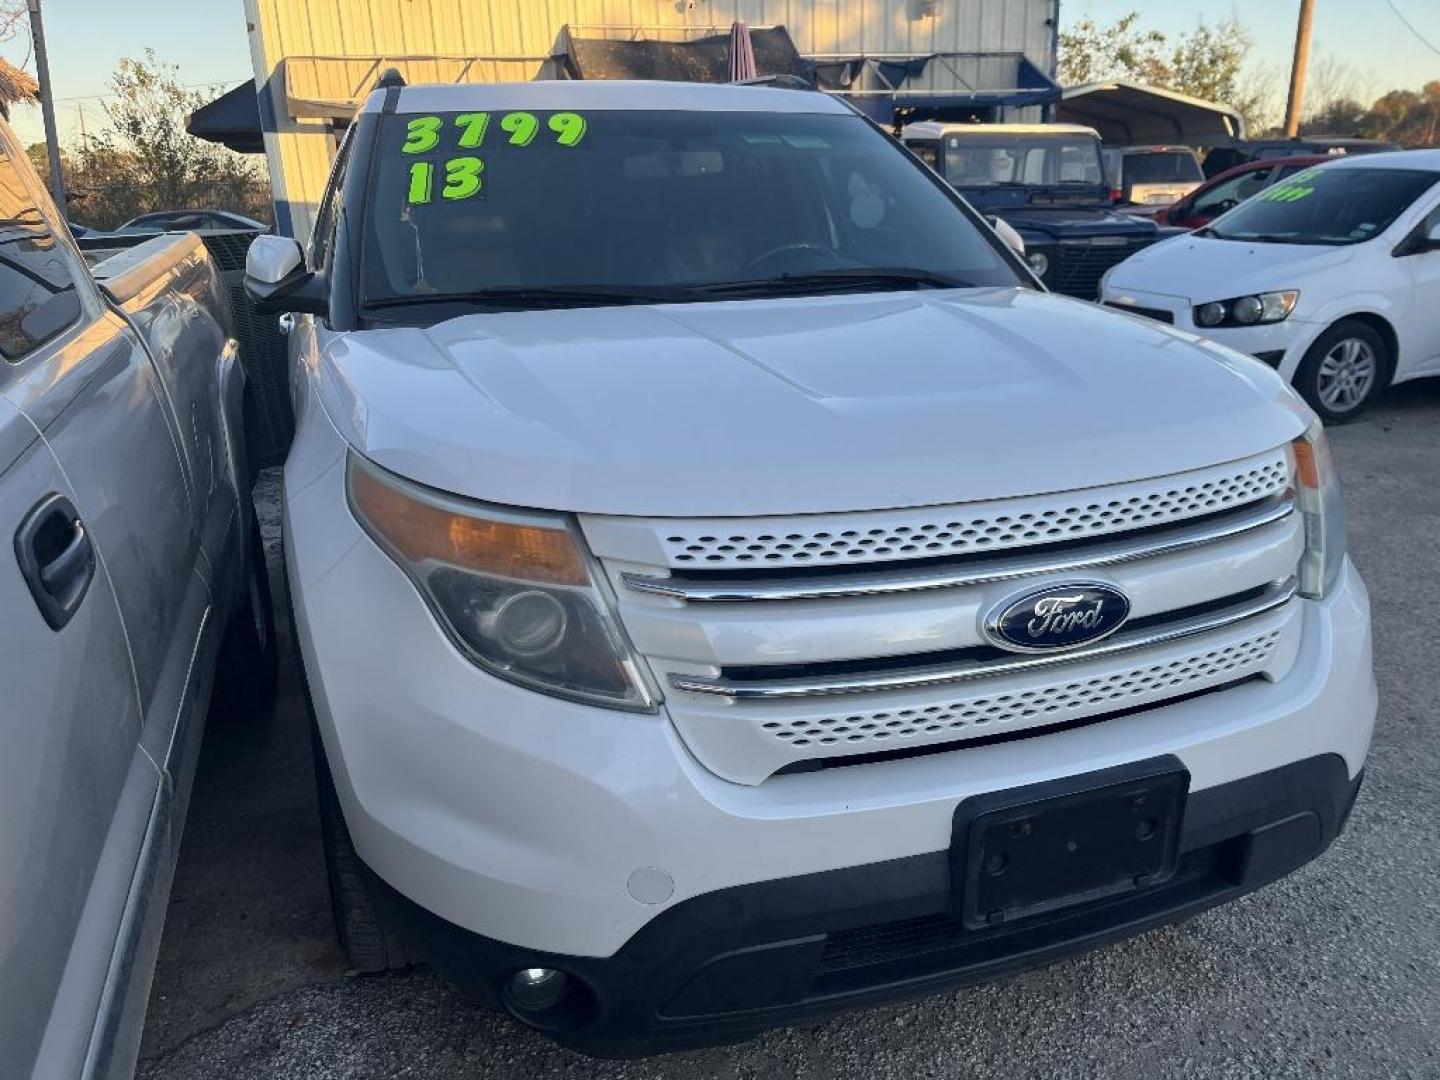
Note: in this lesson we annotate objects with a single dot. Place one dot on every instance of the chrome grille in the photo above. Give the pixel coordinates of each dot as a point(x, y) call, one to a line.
point(817, 657)
point(996, 526)
point(1055, 703)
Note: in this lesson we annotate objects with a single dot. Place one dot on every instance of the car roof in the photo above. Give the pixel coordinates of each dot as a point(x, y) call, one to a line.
point(607, 94)
point(1425, 160)
point(1261, 164)
point(1320, 140)
point(935, 129)
point(1173, 148)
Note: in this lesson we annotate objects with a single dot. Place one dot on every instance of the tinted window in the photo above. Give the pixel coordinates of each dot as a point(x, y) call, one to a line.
point(1179, 165)
point(1230, 193)
point(630, 199)
point(1326, 205)
point(37, 292)
point(325, 219)
point(985, 160)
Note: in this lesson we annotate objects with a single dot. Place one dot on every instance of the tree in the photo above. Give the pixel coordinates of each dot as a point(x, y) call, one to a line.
point(144, 159)
point(1207, 62)
point(1091, 53)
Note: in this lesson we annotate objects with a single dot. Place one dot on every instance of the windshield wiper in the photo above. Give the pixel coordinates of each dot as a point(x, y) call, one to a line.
point(523, 297)
point(839, 280)
point(1264, 238)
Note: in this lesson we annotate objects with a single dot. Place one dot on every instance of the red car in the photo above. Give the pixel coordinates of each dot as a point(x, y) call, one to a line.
point(1230, 188)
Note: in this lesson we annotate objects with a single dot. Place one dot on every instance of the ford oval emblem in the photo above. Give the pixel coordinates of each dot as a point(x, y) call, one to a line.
point(1058, 617)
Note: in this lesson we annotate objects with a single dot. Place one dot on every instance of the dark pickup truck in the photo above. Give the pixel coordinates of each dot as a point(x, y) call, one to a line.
point(1047, 181)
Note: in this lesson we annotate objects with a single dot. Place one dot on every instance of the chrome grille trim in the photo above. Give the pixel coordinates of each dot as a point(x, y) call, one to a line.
point(1275, 596)
point(992, 527)
point(892, 582)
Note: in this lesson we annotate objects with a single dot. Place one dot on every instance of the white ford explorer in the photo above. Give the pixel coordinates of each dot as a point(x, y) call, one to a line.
point(731, 589)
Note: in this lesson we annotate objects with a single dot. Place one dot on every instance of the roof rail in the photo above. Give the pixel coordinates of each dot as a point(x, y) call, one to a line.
point(388, 78)
point(779, 82)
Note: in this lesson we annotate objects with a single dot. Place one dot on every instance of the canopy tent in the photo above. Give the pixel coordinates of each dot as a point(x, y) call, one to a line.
point(705, 59)
point(936, 86)
point(1129, 114)
point(232, 119)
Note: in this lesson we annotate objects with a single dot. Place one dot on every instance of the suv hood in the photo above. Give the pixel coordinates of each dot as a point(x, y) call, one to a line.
point(1199, 269)
point(786, 406)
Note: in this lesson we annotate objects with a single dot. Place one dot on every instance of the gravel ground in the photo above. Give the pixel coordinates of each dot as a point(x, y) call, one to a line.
point(1334, 972)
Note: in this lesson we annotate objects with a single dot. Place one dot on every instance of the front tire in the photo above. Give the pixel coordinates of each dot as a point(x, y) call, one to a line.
point(1344, 371)
point(368, 940)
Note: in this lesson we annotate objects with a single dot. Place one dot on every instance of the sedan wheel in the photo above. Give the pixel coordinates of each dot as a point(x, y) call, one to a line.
point(1344, 370)
point(1347, 374)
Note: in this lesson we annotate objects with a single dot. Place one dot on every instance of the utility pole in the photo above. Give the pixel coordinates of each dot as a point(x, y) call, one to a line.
point(47, 107)
point(1297, 69)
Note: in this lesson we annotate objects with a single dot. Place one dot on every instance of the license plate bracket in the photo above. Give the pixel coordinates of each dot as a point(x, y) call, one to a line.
point(1037, 849)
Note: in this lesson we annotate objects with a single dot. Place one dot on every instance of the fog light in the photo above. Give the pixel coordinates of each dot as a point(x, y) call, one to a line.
point(1211, 314)
point(528, 623)
point(537, 989)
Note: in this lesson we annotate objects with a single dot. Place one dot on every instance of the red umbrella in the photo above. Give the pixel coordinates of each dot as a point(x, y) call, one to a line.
point(742, 54)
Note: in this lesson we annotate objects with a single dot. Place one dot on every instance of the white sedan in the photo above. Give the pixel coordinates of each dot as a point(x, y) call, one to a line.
point(1331, 276)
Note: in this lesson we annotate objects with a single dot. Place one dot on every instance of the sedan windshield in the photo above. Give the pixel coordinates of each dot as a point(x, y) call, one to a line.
point(523, 209)
point(1326, 206)
point(981, 160)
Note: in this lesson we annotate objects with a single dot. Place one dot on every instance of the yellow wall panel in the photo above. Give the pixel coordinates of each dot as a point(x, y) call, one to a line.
point(299, 151)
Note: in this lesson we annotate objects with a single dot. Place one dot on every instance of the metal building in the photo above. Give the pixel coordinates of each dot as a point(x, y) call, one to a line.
point(314, 61)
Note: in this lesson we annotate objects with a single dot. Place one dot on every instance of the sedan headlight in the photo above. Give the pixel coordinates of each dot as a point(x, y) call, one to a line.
point(1256, 310)
point(1317, 491)
point(515, 590)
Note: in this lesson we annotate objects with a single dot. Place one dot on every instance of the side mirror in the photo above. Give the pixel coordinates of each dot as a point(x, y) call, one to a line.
point(1006, 232)
point(276, 278)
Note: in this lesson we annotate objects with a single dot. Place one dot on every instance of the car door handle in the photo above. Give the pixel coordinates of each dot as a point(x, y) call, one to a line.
point(57, 558)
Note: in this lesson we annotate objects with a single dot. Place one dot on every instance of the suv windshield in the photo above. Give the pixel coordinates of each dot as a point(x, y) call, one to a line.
point(574, 208)
point(980, 160)
point(1325, 206)
point(1163, 167)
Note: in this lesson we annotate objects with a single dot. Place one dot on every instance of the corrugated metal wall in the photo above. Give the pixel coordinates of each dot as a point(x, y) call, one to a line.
point(299, 152)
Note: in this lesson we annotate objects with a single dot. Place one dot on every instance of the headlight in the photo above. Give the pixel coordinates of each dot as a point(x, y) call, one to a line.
point(514, 590)
point(1317, 491)
point(1256, 310)
point(1039, 262)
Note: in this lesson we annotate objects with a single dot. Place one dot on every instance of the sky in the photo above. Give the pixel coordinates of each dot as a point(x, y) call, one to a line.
point(206, 40)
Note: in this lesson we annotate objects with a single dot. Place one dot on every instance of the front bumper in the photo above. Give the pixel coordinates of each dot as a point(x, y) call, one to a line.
point(526, 818)
point(725, 965)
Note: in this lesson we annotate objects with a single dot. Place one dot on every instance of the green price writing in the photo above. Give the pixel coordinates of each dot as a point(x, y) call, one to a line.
point(423, 133)
point(1288, 193)
point(463, 180)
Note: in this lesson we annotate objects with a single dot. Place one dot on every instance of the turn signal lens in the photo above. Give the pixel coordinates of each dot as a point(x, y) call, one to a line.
point(512, 588)
point(1317, 492)
point(420, 530)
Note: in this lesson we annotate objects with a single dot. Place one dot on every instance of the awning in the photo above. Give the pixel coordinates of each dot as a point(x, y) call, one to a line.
point(1129, 114)
point(705, 59)
point(232, 119)
point(935, 86)
point(333, 87)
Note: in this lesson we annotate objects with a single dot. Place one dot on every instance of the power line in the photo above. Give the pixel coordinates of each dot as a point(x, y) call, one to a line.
point(184, 86)
point(1411, 27)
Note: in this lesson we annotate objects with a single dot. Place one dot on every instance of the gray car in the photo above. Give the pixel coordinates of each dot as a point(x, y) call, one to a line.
point(128, 565)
